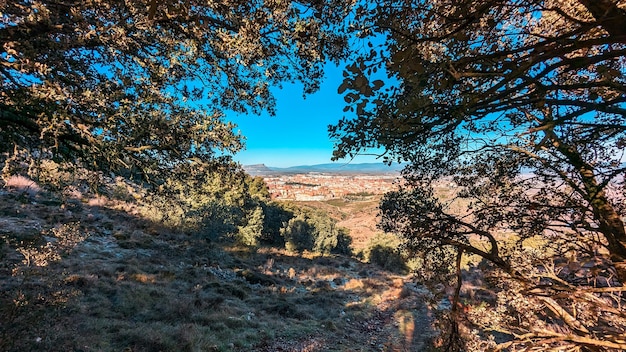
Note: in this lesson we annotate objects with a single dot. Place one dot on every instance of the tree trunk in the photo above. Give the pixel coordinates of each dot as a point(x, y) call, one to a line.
point(609, 221)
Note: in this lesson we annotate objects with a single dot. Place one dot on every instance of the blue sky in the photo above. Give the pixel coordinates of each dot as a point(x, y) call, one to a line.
point(298, 134)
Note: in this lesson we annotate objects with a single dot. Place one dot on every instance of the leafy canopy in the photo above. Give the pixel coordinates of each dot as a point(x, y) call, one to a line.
point(142, 85)
point(521, 106)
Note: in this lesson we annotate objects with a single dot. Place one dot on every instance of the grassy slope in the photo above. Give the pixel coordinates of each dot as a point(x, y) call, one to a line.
point(92, 275)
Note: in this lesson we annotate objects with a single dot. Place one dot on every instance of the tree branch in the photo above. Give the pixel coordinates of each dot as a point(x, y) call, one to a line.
point(608, 15)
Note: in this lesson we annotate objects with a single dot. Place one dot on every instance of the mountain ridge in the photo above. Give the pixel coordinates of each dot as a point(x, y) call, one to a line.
point(335, 168)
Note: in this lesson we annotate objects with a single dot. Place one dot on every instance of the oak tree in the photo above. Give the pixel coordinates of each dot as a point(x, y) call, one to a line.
point(138, 86)
point(517, 111)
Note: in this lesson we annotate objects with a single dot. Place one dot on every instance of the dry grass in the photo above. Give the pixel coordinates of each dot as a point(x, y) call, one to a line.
point(113, 281)
point(22, 184)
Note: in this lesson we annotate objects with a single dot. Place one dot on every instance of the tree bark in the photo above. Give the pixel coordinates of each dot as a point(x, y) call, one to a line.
point(609, 221)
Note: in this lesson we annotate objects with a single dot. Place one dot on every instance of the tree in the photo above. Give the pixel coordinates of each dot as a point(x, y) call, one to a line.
point(138, 86)
point(258, 189)
point(520, 105)
point(298, 234)
point(252, 232)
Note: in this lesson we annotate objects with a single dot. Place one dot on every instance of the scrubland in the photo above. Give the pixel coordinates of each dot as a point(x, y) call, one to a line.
point(81, 272)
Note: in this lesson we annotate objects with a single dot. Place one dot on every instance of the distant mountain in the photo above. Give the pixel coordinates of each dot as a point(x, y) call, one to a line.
point(335, 168)
point(257, 169)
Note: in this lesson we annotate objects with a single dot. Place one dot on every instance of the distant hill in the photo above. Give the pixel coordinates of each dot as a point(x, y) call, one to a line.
point(257, 169)
point(334, 168)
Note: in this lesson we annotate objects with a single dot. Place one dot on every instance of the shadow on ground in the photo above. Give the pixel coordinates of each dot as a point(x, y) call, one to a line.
point(95, 276)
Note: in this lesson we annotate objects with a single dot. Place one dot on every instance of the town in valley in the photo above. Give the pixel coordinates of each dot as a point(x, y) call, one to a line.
point(319, 184)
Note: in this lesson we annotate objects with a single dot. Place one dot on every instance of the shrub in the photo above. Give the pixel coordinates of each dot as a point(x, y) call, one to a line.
point(253, 230)
point(219, 220)
point(383, 250)
point(310, 229)
point(298, 235)
point(334, 240)
point(387, 258)
point(276, 216)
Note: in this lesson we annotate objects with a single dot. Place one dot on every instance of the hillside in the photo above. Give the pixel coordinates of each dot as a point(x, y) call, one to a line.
point(359, 217)
point(91, 274)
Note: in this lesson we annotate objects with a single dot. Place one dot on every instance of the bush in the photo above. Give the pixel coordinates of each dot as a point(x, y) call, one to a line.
point(219, 221)
point(276, 216)
point(387, 258)
point(301, 228)
point(253, 230)
point(383, 250)
point(298, 235)
point(335, 240)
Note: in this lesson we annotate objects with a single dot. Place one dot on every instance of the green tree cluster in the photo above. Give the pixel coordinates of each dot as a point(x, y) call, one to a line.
point(300, 228)
point(230, 205)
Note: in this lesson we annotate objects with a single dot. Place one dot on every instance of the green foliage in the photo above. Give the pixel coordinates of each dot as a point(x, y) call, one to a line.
point(276, 216)
point(387, 258)
point(384, 250)
point(213, 201)
point(258, 189)
point(328, 238)
point(139, 87)
point(336, 241)
point(227, 204)
point(298, 234)
point(299, 228)
point(219, 221)
point(316, 231)
point(253, 230)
